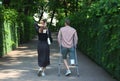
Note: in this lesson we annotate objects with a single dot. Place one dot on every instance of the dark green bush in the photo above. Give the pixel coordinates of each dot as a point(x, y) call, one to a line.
point(9, 32)
point(26, 29)
point(98, 28)
point(1, 31)
point(15, 29)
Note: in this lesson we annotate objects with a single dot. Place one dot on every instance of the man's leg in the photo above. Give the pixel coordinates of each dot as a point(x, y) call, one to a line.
point(68, 72)
point(64, 55)
point(66, 64)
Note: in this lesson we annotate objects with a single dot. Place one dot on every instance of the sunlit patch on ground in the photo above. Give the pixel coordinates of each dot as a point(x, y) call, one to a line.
point(10, 73)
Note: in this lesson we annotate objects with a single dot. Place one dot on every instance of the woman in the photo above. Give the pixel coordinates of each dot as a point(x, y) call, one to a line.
point(43, 47)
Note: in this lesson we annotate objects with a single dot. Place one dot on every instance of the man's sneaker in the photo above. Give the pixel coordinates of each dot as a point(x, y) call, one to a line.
point(68, 72)
point(42, 74)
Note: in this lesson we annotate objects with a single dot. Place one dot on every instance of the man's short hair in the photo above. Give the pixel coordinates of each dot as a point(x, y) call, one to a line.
point(67, 21)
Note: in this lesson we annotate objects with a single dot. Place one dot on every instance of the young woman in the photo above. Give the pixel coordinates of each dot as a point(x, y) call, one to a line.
point(43, 46)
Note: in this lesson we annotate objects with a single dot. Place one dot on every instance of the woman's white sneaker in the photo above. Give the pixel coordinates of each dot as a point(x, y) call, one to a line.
point(42, 74)
point(39, 71)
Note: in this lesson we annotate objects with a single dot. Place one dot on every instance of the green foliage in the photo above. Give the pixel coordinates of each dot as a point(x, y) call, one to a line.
point(10, 15)
point(15, 29)
point(97, 24)
point(100, 35)
point(9, 30)
point(29, 30)
point(1, 35)
point(25, 28)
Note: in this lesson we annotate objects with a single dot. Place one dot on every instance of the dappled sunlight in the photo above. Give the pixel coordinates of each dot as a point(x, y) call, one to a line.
point(55, 55)
point(11, 73)
point(19, 53)
point(10, 63)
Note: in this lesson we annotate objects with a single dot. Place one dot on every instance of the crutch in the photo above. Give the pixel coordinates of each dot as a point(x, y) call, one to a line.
point(60, 58)
point(76, 60)
point(59, 64)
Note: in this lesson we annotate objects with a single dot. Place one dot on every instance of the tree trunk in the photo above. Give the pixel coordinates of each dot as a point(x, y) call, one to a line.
point(52, 18)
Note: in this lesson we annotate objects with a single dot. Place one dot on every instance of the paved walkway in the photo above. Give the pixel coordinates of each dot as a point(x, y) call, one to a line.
point(21, 65)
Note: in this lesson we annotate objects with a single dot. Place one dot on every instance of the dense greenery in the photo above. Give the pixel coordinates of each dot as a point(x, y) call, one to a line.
point(99, 37)
point(97, 23)
point(16, 25)
point(9, 30)
point(1, 28)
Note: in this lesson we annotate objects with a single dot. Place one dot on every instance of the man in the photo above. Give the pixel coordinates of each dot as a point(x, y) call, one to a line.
point(67, 39)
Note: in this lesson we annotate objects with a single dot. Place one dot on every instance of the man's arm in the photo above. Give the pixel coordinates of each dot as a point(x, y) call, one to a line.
point(75, 39)
point(59, 37)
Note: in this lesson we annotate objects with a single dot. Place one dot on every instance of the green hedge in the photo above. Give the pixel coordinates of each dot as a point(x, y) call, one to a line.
point(29, 29)
point(26, 29)
point(15, 29)
point(98, 29)
point(9, 32)
point(1, 30)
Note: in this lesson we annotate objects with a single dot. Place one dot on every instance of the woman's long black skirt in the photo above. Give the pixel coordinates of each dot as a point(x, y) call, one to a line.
point(43, 54)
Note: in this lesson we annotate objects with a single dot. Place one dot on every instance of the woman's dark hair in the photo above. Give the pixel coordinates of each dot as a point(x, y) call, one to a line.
point(44, 20)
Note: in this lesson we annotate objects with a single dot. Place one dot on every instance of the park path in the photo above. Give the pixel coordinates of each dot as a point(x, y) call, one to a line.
point(21, 65)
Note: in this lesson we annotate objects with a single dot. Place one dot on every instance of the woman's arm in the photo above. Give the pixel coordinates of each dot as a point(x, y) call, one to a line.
point(36, 27)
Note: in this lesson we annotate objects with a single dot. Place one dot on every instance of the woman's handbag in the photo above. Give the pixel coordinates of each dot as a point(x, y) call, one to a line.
point(48, 40)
